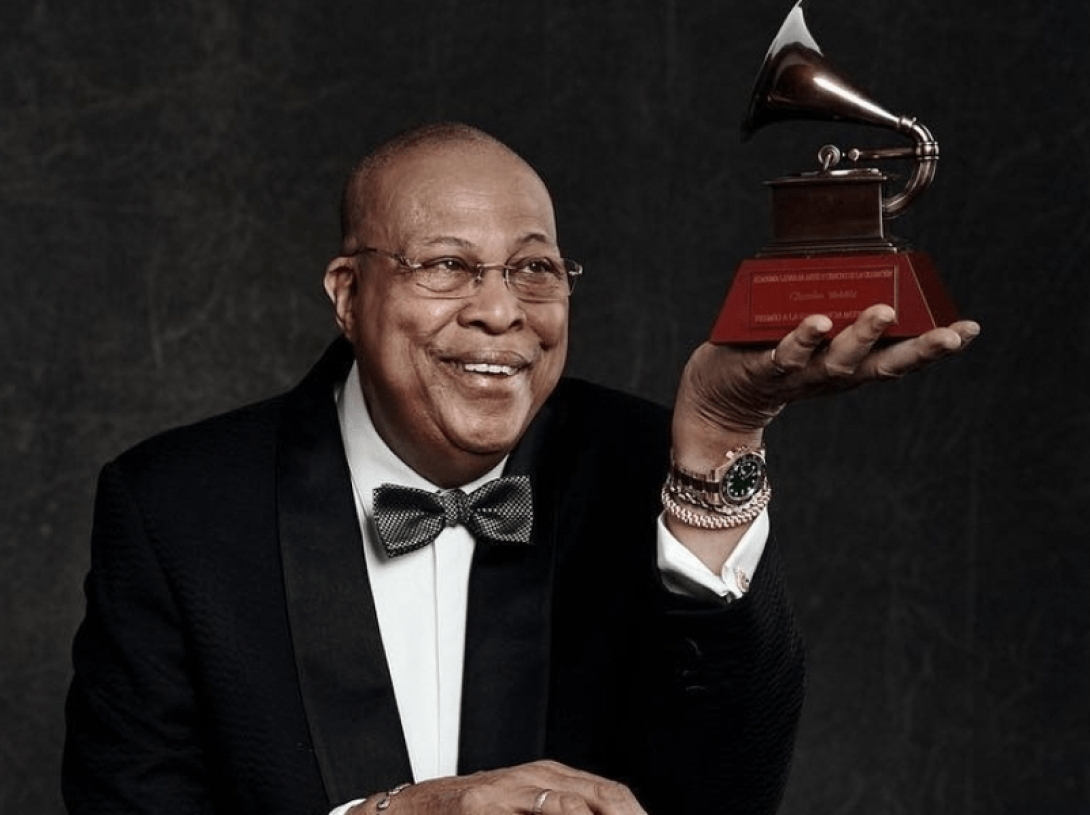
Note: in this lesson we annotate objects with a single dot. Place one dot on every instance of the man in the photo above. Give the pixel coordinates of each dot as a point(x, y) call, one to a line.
point(267, 632)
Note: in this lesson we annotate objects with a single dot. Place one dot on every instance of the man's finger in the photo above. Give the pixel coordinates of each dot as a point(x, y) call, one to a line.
point(568, 802)
point(968, 330)
point(850, 347)
point(561, 802)
point(911, 355)
point(794, 352)
point(601, 795)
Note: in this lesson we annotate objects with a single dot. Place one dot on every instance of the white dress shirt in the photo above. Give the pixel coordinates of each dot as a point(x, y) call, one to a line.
point(420, 597)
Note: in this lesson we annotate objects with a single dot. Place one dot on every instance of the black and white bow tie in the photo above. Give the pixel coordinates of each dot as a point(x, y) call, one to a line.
point(501, 511)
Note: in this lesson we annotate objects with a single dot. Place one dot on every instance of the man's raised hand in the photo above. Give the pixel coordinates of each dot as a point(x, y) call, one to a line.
point(740, 390)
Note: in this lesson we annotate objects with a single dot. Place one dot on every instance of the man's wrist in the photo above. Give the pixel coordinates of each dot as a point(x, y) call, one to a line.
point(728, 494)
point(699, 445)
point(710, 534)
point(381, 801)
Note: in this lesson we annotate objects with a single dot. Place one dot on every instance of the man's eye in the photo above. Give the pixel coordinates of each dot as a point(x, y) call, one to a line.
point(449, 265)
point(542, 266)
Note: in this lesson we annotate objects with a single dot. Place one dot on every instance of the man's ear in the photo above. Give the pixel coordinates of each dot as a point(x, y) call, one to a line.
point(340, 286)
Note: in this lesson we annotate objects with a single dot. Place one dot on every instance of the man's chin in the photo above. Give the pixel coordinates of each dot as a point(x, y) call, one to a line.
point(492, 439)
point(487, 447)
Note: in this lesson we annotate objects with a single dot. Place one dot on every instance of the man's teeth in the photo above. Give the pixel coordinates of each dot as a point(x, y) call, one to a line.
point(484, 368)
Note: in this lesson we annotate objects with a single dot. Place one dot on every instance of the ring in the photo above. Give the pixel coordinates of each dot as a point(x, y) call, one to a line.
point(772, 358)
point(539, 802)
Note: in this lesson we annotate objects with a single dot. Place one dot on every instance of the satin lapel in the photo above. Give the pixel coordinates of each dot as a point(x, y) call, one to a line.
point(345, 683)
point(506, 676)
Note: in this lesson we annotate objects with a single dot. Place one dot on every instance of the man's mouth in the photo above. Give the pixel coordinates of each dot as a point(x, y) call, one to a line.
point(495, 363)
point(488, 368)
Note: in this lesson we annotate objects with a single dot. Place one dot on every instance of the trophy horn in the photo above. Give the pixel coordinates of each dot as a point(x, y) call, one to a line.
point(796, 81)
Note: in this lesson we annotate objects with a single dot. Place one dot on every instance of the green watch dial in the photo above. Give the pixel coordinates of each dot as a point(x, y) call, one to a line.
point(743, 479)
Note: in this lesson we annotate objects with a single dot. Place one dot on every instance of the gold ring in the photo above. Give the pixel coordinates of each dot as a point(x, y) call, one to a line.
point(539, 802)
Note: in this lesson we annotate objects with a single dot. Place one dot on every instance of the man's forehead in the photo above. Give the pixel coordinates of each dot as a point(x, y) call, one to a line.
point(456, 183)
point(454, 162)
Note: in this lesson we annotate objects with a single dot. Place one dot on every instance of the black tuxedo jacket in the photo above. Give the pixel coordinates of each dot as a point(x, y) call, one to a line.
point(230, 659)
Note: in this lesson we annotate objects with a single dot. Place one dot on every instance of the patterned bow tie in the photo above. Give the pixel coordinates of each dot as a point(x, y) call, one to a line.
point(502, 511)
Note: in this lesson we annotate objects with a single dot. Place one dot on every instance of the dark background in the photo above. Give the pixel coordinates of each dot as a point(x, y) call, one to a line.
point(168, 182)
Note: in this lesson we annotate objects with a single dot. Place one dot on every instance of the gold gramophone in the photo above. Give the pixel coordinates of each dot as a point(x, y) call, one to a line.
point(829, 252)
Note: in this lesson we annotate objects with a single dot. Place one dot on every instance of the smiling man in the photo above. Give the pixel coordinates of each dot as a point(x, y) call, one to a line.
point(438, 577)
point(451, 381)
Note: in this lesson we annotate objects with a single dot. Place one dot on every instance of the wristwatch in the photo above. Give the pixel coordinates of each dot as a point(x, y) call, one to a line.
point(728, 489)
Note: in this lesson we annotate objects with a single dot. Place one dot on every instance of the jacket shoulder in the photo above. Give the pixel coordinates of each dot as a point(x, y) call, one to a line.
point(243, 438)
point(244, 434)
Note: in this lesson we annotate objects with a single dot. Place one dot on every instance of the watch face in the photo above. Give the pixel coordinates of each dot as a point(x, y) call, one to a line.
point(743, 479)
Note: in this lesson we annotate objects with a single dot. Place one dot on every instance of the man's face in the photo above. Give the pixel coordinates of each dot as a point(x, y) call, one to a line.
point(451, 384)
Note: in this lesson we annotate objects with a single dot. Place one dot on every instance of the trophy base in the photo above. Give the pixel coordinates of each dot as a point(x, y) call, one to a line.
point(769, 296)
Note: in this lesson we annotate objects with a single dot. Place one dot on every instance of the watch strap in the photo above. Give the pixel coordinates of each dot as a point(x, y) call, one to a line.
point(699, 499)
point(706, 489)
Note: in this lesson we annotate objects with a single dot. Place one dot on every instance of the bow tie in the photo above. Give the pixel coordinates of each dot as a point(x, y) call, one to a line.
point(406, 519)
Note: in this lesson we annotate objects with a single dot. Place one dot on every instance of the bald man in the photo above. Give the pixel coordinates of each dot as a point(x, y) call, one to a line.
point(439, 577)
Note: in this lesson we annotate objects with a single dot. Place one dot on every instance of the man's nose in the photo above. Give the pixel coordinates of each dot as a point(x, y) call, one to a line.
point(493, 305)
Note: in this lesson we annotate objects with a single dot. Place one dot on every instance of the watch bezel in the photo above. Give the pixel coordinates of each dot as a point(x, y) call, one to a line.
point(728, 475)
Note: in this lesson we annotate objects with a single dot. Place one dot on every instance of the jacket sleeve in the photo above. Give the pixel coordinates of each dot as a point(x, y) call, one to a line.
point(730, 683)
point(133, 722)
point(693, 702)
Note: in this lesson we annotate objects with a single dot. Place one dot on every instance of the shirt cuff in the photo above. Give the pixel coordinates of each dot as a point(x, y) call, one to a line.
point(343, 808)
point(684, 573)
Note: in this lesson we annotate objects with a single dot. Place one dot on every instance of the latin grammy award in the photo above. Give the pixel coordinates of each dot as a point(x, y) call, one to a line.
point(830, 252)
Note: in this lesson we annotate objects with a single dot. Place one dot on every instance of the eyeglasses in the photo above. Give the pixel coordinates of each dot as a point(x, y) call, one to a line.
point(538, 279)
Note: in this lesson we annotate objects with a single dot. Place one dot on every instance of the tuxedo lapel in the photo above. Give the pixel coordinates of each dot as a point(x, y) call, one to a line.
point(345, 683)
point(506, 673)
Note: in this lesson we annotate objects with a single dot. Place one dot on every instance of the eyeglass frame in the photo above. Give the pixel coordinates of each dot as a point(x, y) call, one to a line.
point(572, 269)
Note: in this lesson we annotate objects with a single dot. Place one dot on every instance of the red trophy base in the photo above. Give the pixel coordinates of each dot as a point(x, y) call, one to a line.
point(771, 295)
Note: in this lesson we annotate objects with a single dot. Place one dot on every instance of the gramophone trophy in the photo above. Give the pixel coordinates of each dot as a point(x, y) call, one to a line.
point(829, 253)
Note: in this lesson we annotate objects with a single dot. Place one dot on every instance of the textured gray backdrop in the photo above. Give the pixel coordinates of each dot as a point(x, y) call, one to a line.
point(168, 180)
